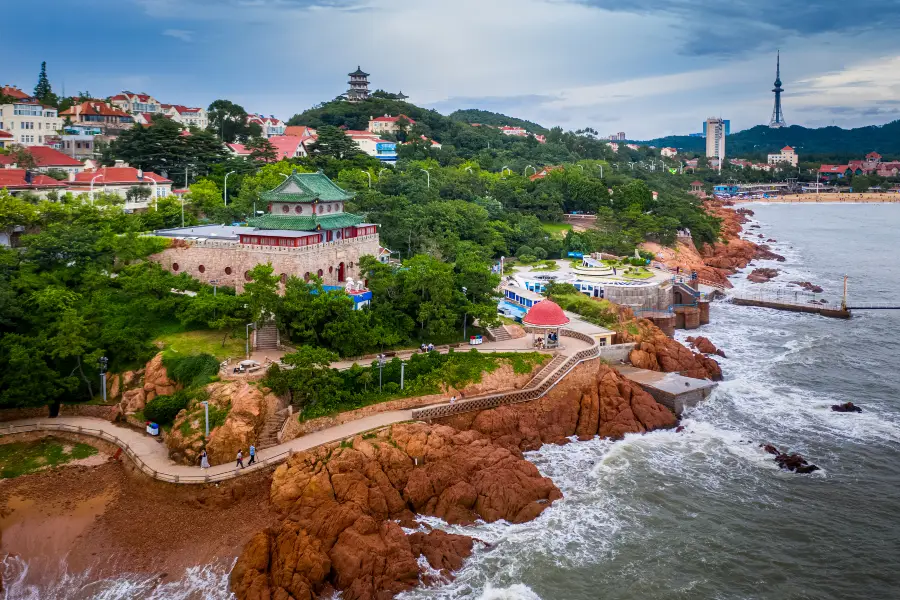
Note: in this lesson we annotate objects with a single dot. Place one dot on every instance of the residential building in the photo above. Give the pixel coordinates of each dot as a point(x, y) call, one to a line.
point(12, 91)
point(270, 125)
point(6, 139)
point(669, 152)
point(632, 146)
point(715, 138)
point(873, 157)
point(119, 180)
point(540, 138)
point(136, 103)
point(238, 150)
point(371, 144)
point(832, 172)
point(185, 115)
point(96, 113)
point(614, 146)
point(616, 137)
point(20, 181)
point(726, 122)
point(78, 146)
point(305, 233)
point(515, 131)
point(289, 146)
point(359, 86)
point(389, 124)
point(545, 171)
point(300, 131)
point(787, 155)
point(27, 120)
point(46, 159)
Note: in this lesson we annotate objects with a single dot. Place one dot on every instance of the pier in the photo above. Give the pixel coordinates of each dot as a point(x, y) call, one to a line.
point(672, 390)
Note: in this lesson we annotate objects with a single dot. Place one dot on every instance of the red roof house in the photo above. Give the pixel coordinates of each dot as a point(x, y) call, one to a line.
point(118, 180)
point(46, 158)
point(13, 92)
point(19, 180)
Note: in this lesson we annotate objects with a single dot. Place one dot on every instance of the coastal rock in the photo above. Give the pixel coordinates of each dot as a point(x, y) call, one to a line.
point(771, 241)
point(846, 407)
point(594, 399)
point(133, 401)
point(702, 344)
point(809, 287)
point(762, 275)
point(764, 253)
point(790, 462)
point(658, 352)
point(341, 503)
point(156, 379)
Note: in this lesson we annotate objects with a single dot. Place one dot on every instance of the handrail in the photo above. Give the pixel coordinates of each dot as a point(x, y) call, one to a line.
point(523, 395)
point(143, 466)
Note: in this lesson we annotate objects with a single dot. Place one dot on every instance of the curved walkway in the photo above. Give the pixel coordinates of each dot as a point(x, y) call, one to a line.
point(151, 455)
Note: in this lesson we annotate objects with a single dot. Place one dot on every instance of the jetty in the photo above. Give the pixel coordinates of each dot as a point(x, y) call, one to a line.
point(805, 302)
point(672, 390)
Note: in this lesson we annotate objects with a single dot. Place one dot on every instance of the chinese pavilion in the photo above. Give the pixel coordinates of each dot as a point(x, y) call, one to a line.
point(359, 86)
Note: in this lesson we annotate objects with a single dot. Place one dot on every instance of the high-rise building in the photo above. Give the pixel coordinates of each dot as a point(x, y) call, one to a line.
point(715, 138)
point(727, 128)
point(777, 116)
point(359, 86)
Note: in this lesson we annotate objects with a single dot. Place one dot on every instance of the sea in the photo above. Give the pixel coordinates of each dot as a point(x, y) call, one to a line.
point(706, 513)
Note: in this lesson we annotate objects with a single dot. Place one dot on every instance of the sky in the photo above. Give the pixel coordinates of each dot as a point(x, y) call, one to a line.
point(646, 67)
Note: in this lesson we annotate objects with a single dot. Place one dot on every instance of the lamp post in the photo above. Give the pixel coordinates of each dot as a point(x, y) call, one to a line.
point(525, 172)
point(601, 171)
point(205, 404)
point(402, 373)
point(466, 313)
point(247, 343)
point(427, 174)
point(381, 362)
point(225, 193)
point(104, 362)
point(369, 175)
point(469, 169)
point(92, 186)
point(382, 171)
point(506, 168)
point(582, 167)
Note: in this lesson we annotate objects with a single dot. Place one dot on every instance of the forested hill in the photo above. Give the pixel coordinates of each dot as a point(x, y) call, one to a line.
point(884, 139)
point(486, 117)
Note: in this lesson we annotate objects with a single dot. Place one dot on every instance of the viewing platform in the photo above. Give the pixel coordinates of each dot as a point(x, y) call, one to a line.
point(670, 389)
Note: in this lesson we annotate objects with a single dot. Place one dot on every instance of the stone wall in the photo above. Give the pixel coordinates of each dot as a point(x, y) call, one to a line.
point(228, 262)
point(97, 411)
point(651, 297)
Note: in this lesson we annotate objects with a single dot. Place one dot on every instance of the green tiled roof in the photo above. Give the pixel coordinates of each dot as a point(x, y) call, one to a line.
point(310, 223)
point(306, 187)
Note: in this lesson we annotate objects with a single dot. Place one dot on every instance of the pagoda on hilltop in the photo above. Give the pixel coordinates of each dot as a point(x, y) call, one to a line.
point(359, 86)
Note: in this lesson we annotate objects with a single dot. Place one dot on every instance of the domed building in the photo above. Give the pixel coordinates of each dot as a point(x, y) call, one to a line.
point(545, 320)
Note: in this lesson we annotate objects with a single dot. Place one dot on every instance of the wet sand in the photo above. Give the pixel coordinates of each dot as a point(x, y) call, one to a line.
point(110, 521)
point(829, 198)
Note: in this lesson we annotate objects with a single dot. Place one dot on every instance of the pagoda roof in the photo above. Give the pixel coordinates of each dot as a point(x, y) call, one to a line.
point(358, 73)
point(306, 223)
point(306, 187)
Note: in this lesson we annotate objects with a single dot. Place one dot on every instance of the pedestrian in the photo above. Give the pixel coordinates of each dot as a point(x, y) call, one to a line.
point(452, 399)
point(252, 455)
point(204, 460)
point(240, 459)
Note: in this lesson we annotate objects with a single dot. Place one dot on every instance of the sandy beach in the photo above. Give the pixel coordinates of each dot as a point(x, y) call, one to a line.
point(830, 198)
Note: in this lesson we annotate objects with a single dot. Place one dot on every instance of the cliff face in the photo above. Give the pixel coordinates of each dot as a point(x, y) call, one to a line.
point(341, 504)
point(592, 400)
point(658, 352)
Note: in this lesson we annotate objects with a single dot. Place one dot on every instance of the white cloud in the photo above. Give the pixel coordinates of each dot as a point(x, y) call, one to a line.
point(180, 34)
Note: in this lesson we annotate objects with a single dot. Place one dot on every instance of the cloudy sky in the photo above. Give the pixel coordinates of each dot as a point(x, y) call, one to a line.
point(646, 67)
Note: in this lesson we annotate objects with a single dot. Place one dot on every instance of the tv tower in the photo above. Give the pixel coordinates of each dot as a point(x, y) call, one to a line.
point(777, 116)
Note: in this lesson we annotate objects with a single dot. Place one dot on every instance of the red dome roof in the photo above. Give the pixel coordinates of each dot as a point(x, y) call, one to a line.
point(545, 313)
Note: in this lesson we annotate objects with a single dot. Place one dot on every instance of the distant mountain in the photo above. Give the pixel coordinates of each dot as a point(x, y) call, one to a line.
point(486, 117)
point(884, 139)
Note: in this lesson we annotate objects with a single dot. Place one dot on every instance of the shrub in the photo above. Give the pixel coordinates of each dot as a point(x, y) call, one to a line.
point(527, 259)
point(193, 370)
point(540, 253)
point(164, 409)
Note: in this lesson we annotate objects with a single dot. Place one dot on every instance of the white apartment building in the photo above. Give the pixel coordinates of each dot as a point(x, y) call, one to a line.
point(186, 115)
point(715, 138)
point(669, 152)
point(388, 124)
point(270, 125)
point(136, 103)
point(787, 155)
point(29, 122)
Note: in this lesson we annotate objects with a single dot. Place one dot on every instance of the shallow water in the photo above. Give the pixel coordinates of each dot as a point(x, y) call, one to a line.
point(705, 514)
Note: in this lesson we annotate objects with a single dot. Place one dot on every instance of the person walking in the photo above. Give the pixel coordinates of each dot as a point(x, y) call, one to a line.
point(204, 460)
point(240, 459)
point(452, 399)
point(252, 455)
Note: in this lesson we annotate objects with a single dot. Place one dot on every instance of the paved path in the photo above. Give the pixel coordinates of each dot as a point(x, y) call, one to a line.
point(152, 457)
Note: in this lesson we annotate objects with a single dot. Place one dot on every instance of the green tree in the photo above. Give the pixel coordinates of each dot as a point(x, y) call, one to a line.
point(312, 382)
point(261, 294)
point(43, 91)
point(229, 121)
point(261, 150)
point(333, 142)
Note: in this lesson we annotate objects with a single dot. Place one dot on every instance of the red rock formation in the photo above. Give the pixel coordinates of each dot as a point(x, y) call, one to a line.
point(704, 345)
point(594, 399)
point(156, 379)
point(762, 275)
point(658, 352)
point(341, 504)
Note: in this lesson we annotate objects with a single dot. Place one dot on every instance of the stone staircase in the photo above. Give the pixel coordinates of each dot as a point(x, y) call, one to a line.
point(550, 367)
point(267, 337)
point(499, 334)
point(268, 437)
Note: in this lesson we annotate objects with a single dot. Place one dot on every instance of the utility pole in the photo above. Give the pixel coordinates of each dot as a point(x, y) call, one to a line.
point(381, 362)
point(465, 314)
point(402, 373)
point(369, 175)
point(205, 404)
point(225, 194)
point(104, 362)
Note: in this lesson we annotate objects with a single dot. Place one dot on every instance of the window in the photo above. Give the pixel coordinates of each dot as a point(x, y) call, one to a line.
point(247, 276)
point(228, 270)
point(298, 209)
point(285, 209)
point(329, 208)
point(283, 278)
point(202, 269)
point(330, 270)
point(320, 272)
point(321, 209)
point(175, 267)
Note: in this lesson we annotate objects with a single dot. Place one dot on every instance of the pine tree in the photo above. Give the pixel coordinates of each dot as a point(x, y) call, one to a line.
point(43, 91)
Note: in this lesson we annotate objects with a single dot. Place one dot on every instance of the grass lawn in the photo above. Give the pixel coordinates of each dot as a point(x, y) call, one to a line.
point(557, 229)
point(638, 273)
point(208, 341)
point(21, 458)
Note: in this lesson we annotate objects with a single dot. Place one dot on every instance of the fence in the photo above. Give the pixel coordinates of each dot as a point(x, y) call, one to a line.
point(139, 462)
point(524, 395)
point(788, 297)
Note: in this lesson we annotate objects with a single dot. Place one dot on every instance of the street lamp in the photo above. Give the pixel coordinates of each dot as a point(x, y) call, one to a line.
point(104, 362)
point(506, 169)
point(466, 313)
point(382, 360)
point(525, 172)
point(247, 343)
point(601, 171)
point(155, 193)
point(92, 186)
point(205, 404)
point(369, 175)
point(382, 171)
point(428, 175)
point(582, 167)
point(225, 193)
point(469, 169)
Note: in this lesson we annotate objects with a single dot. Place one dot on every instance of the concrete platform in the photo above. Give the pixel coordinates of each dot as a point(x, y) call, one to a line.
point(670, 389)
